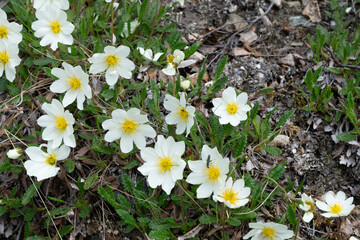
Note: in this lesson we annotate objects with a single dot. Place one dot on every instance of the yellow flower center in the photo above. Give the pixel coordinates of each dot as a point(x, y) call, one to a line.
point(3, 32)
point(336, 208)
point(165, 164)
point(231, 108)
point(4, 57)
point(268, 232)
point(51, 160)
point(183, 114)
point(60, 123)
point(230, 195)
point(213, 173)
point(129, 126)
point(112, 60)
point(74, 83)
point(311, 204)
point(55, 27)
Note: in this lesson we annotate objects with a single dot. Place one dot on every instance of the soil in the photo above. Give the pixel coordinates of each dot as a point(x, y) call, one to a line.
point(311, 152)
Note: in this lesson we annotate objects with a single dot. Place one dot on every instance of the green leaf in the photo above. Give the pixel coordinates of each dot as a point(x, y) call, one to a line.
point(220, 67)
point(277, 171)
point(91, 180)
point(347, 136)
point(30, 192)
point(143, 8)
point(65, 230)
point(107, 194)
point(69, 165)
point(127, 182)
point(192, 49)
point(131, 164)
point(234, 222)
point(275, 151)
point(240, 146)
point(35, 238)
point(287, 115)
point(219, 84)
point(123, 201)
point(3, 209)
point(207, 219)
point(217, 130)
point(42, 61)
point(55, 199)
point(84, 211)
point(160, 234)
point(29, 213)
point(254, 110)
point(291, 216)
point(125, 215)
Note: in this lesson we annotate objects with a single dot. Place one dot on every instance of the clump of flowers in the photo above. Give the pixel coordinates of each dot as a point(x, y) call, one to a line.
point(308, 206)
point(74, 81)
point(231, 108)
point(128, 126)
point(268, 231)
point(336, 205)
point(43, 165)
point(180, 114)
point(163, 164)
point(114, 61)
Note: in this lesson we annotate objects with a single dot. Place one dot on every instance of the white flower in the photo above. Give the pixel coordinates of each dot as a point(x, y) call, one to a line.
point(163, 164)
point(43, 165)
point(115, 63)
point(268, 231)
point(181, 2)
point(180, 114)
point(336, 205)
point(133, 25)
point(130, 127)
point(9, 32)
point(173, 61)
point(148, 54)
point(231, 109)
point(210, 172)
point(14, 153)
point(52, 27)
point(74, 81)
point(185, 84)
point(9, 59)
point(353, 238)
point(43, 4)
point(308, 207)
point(233, 194)
point(58, 124)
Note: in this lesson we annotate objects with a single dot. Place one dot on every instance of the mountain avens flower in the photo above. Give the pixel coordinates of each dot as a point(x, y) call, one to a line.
point(9, 32)
point(58, 124)
point(74, 81)
point(233, 194)
point(308, 206)
point(180, 114)
point(148, 54)
point(268, 231)
point(52, 27)
point(133, 25)
point(43, 4)
point(42, 165)
point(9, 59)
point(336, 205)
point(114, 62)
point(210, 172)
point(130, 126)
point(163, 164)
point(173, 61)
point(231, 108)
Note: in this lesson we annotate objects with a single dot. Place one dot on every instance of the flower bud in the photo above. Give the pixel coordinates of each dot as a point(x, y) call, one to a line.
point(14, 153)
point(185, 84)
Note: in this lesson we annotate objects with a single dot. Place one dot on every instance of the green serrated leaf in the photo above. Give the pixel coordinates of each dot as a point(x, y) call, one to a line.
point(287, 115)
point(3, 210)
point(220, 67)
point(65, 230)
point(69, 165)
point(42, 61)
point(160, 234)
point(35, 238)
point(240, 146)
point(217, 130)
point(91, 180)
point(107, 194)
point(123, 201)
point(275, 151)
point(131, 164)
point(277, 171)
point(192, 49)
point(291, 216)
point(207, 219)
point(234, 222)
point(125, 215)
point(29, 213)
point(347, 136)
point(219, 84)
point(84, 211)
point(30, 192)
point(127, 182)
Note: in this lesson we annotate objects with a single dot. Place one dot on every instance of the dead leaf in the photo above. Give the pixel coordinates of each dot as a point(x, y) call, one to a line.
point(312, 11)
point(248, 37)
point(192, 233)
point(277, 3)
point(265, 19)
point(193, 78)
point(240, 52)
point(237, 22)
point(187, 63)
point(248, 48)
point(288, 60)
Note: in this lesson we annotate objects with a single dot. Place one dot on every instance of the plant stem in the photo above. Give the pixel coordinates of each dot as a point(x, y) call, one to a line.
point(112, 22)
point(297, 227)
point(157, 10)
point(181, 193)
point(223, 219)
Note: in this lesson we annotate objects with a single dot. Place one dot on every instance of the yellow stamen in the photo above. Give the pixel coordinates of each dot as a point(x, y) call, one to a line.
point(55, 27)
point(4, 57)
point(311, 204)
point(184, 115)
point(60, 123)
point(112, 60)
point(3, 32)
point(336, 208)
point(268, 232)
point(230, 195)
point(231, 108)
point(213, 173)
point(165, 164)
point(170, 59)
point(51, 160)
point(74, 83)
point(129, 126)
